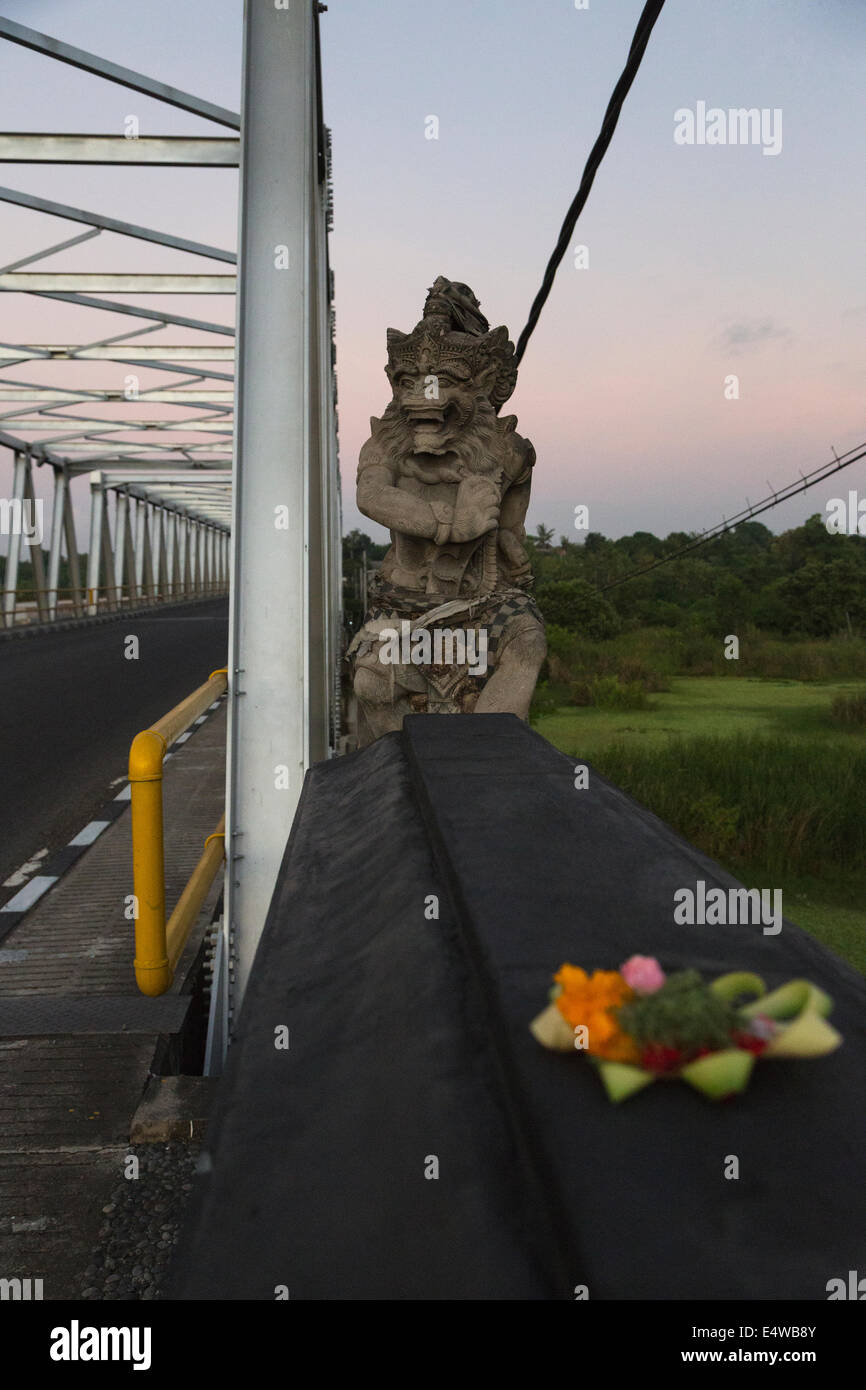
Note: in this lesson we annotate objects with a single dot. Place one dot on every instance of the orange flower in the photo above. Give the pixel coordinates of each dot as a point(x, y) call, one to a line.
point(587, 1001)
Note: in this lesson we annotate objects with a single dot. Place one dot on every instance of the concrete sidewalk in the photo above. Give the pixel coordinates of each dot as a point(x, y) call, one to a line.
point(72, 1072)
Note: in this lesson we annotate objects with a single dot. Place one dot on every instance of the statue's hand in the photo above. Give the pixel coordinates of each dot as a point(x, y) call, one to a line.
point(476, 509)
point(517, 558)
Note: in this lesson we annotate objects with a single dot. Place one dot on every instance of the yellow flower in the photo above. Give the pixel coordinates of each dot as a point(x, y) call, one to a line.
point(587, 1001)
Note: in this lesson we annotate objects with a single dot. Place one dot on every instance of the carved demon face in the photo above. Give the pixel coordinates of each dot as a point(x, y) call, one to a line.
point(438, 406)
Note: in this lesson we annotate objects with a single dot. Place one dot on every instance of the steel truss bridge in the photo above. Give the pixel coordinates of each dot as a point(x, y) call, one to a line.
point(225, 477)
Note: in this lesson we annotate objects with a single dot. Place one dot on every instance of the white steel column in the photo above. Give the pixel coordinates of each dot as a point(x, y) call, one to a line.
point(157, 539)
point(138, 549)
point(16, 524)
point(149, 521)
point(177, 579)
point(187, 537)
point(61, 488)
point(121, 566)
point(94, 549)
point(268, 626)
point(34, 536)
point(72, 563)
point(113, 593)
point(196, 557)
point(131, 554)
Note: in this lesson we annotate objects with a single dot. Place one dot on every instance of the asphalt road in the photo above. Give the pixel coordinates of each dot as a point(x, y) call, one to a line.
point(70, 705)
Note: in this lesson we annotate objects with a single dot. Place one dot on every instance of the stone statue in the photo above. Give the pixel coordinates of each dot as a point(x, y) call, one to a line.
point(453, 628)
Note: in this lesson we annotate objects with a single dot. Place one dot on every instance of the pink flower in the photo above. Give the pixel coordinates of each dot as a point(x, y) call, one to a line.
point(643, 974)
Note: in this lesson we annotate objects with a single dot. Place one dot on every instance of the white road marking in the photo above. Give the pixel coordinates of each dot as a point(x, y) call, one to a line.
point(21, 875)
point(31, 894)
point(91, 832)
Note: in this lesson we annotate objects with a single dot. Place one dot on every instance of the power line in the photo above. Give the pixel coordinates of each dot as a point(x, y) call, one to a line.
point(651, 12)
point(806, 481)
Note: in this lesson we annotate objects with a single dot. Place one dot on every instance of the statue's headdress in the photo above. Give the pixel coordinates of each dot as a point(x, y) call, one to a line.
point(454, 335)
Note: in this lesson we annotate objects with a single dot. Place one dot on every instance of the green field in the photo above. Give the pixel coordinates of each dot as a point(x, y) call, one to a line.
point(719, 707)
point(758, 775)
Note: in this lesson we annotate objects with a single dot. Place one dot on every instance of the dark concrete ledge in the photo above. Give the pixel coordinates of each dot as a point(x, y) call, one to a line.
point(408, 1042)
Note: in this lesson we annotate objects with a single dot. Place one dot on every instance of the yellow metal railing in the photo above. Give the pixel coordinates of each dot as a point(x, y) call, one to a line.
point(158, 945)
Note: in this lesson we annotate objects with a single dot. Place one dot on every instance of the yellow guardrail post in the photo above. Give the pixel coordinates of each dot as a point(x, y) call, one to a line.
point(157, 947)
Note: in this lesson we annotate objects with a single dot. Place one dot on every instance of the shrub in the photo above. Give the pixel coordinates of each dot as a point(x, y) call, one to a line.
point(607, 692)
point(574, 604)
point(849, 709)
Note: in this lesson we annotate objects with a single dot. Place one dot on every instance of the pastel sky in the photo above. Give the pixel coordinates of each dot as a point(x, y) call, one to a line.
point(704, 261)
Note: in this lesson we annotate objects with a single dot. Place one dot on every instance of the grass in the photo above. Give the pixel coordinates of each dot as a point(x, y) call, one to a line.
point(706, 705)
point(832, 913)
point(758, 774)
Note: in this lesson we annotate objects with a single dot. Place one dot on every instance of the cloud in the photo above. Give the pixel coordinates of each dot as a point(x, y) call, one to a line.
point(750, 333)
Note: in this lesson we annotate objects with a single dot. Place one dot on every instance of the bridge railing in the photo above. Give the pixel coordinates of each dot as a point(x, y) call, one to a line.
point(159, 944)
point(168, 538)
point(65, 603)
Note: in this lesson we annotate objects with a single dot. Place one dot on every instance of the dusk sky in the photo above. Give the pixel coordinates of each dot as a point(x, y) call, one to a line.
point(705, 261)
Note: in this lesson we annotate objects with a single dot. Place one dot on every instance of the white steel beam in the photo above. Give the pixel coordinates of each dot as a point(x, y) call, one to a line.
point(136, 311)
point(118, 352)
point(215, 475)
point(84, 281)
point(212, 424)
point(114, 72)
point(189, 395)
point(50, 250)
point(191, 151)
point(112, 224)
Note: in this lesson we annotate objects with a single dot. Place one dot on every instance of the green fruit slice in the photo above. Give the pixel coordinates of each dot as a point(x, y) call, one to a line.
point(720, 1074)
point(790, 1000)
point(622, 1080)
point(551, 1030)
point(808, 1036)
point(730, 987)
